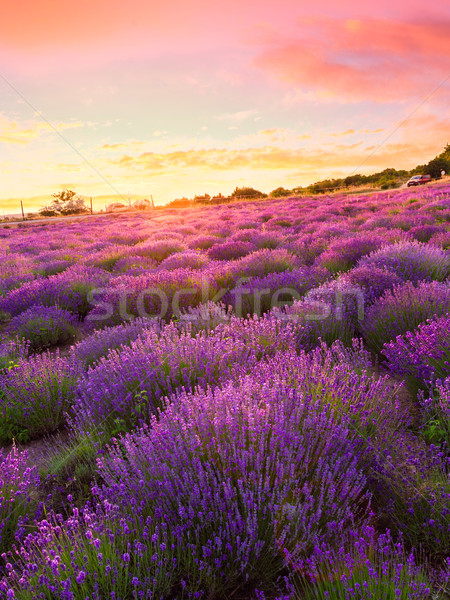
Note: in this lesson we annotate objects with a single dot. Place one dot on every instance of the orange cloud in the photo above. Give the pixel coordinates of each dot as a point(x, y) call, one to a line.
point(377, 60)
point(12, 132)
point(399, 154)
point(122, 145)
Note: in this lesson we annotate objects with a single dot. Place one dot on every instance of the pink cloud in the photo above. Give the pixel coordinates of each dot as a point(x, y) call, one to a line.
point(362, 59)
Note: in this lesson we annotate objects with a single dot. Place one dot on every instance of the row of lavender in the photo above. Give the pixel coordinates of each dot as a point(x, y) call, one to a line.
point(222, 454)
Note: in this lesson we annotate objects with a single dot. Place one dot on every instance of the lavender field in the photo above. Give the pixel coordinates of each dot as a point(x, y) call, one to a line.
point(246, 401)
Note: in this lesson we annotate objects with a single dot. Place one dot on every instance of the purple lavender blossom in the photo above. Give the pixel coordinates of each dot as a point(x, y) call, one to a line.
point(43, 327)
point(412, 261)
point(230, 250)
point(240, 470)
point(423, 353)
point(403, 309)
point(17, 483)
point(67, 290)
point(35, 395)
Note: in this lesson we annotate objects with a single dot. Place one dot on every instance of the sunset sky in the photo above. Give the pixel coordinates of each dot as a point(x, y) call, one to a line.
point(178, 98)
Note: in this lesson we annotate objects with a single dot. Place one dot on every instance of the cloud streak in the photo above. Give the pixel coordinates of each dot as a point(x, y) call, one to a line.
point(12, 132)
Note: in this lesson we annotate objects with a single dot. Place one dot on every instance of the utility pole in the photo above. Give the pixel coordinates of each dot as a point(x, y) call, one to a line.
point(91, 206)
point(21, 206)
point(153, 204)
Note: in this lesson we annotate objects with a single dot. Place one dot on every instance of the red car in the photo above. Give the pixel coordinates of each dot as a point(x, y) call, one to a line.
point(418, 180)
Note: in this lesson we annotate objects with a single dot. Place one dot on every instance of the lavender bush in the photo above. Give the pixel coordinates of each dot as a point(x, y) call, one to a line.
point(96, 553)
point(35, 395)
point(367, 566)
point(423, 353)
point(260, 294)
point(158, 250)
point(328, 313)
point(100, 342)
point(68, 290)
point(17, 484)
point(230, 250)
point(412, 491)
point(373, 281)
point(403, 309)
point(436, 414)
point(342, 254)
point(130, 383)
point(412, 261)
point(12, 351)
point(43, 327)
point(247, 462)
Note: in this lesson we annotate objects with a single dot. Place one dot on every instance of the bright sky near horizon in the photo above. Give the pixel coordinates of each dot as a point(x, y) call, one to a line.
point(179, 98)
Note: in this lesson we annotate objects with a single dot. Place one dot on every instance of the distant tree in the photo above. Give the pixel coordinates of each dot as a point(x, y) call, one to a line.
point(387, 184)
point(247, 192)
point(179, 203)
point(47, 211)
point(280, 192)
point(60, 198)
point(325, 186)
point(445, 153)
point(419, 170)
point(435, 166)
point(142, 204)
point(353, 180)
point(66, 202)
point(205, 199)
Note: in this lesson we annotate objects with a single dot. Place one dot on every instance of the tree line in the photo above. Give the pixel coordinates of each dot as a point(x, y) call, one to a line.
point(66, 202)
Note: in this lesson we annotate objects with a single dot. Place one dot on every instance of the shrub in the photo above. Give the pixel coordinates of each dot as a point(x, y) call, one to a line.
point(12, 351)
point(68, 290)
point(328, 313)
point(134, 265)
point(403, 309)
point(129, 385)
point(259, 295)
point(367, 566)
point(203, 242)
point(373, 281)
point(161, 295)
point(43, 327)
point(412, 492)
point(267, 240)
point(95, 553)
point(17, 483)
point(436, 414)
point(102, 341)
point(342, 254)
point(423, 353)
point(423, 233)
point(54, 267)
point(107, 257)
point(257, 264)
point(338, 377)
point(158, 250)
point(15, 266)
point(230, 250)
point(35, 395)
point(184, 260)
point(236, 472)
point(412, 261)
point(441, 239)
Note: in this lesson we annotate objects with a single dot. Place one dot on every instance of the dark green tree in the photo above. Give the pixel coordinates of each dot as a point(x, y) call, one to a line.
point(280, 192)
point(247, 192)
point(435, 166)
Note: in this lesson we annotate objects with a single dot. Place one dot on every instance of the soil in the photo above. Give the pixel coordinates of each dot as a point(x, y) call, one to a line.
point(39, 450)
